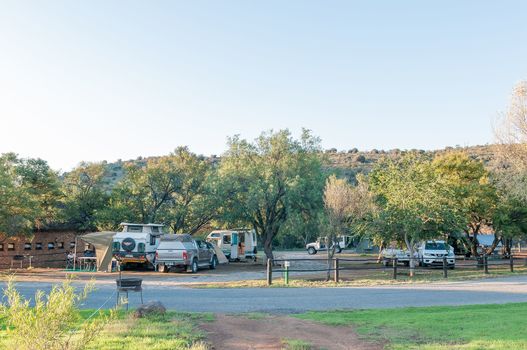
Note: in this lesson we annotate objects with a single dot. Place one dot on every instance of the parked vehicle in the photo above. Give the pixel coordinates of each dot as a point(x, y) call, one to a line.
point(236, 244)
point(136, 243)
point(181, 250)
point(432, 253)
point(342, 242)
point(389, 254)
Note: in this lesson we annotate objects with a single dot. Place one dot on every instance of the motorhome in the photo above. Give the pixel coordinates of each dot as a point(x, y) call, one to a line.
point(137, 243)
point(235, 244)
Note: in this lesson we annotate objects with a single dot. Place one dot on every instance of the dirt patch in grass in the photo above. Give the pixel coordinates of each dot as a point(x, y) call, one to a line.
point(237, 332)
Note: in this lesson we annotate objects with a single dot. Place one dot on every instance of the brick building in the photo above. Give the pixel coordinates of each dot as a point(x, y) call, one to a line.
point(45, 248)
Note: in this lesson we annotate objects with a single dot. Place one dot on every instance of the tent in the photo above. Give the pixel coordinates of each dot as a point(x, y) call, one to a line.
point(102, 241)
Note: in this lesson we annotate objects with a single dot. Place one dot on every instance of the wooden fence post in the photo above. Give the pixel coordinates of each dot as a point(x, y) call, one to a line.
point(511, 262)
point(336, 267)
point(486, 263)
point(269, 272)
point(445, 268)
point(394, 268)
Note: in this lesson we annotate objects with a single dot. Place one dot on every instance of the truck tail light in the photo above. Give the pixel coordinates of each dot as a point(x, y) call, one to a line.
point(185, 256)
point(156, 256)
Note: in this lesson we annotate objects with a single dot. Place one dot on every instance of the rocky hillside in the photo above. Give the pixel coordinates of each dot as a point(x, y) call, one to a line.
point(347, 163)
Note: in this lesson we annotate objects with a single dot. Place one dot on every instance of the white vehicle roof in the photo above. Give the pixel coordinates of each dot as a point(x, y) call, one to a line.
point(149, 225)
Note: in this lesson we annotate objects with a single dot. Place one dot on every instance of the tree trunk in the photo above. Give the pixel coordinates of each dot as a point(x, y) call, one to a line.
point(268, 245)
point(381, 248)
point(410, 247)
point(331, 253)
point(494, 244)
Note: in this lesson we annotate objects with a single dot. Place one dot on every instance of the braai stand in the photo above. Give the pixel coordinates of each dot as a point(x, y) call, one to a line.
point(125, 285)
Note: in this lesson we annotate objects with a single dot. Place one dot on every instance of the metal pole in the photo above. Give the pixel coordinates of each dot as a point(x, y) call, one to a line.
point(394, 261)
point(445, 273)
point(336, 266)
point(269, 272)
point(75, 254)
point(286, 272)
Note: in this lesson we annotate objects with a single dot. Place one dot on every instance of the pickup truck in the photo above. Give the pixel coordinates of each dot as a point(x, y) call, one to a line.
point(320, 245)
point(181, 250)
point(389, 254)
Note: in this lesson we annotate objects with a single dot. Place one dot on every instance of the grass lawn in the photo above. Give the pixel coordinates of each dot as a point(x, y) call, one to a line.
point(451, 327)
point(170, 331)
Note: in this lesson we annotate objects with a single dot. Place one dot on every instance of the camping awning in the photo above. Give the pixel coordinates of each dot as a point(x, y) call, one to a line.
point(102, 241)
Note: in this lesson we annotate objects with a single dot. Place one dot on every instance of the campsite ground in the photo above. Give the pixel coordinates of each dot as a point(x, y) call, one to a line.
point(497, 327)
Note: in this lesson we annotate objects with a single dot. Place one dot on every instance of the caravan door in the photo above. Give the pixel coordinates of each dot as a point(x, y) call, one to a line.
point(234, 245)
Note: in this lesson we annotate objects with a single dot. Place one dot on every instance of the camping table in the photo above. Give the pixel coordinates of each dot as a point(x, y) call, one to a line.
point(85, 261)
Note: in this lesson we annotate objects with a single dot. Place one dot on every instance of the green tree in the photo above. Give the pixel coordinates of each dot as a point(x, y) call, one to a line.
point(414, 203)
point(474, 197)
point(86, 194)
point(178, 190)
point(269, 180)
point(29, 194)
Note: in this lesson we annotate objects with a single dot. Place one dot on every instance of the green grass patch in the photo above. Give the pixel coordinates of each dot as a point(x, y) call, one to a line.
point(437, 328)
point(296, 344)
point(174, 330)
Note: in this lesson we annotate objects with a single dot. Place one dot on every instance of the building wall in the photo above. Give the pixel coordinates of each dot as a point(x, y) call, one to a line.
point(47, 249)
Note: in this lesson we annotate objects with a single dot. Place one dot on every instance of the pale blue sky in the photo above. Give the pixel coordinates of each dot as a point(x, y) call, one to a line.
point(94, 80)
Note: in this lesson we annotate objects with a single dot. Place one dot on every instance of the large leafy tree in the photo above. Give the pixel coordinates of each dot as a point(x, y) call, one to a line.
point(414, 203)
point(474, 198)
point(86, 194)
point(178, 189)
point(268, 180)
point(29, 194)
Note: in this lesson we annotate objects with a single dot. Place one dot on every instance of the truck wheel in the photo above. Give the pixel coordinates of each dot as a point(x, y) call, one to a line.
point(406, 263)
point(338, 250)
point(194, 266)
point(311, 251)
point(214, 262)
point(163, 268)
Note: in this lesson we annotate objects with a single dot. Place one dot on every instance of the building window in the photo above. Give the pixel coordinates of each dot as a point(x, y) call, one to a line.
point(27, 246)
point(51, 245)
point(38, 246)
point(60, 245)
point(10, 246)
point(72, 245)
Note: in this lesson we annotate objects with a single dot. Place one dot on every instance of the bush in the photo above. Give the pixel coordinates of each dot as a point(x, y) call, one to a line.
point(53, 322)
point(359, 158)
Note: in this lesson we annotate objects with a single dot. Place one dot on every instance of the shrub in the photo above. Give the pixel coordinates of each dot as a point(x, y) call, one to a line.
point(359, 158)
point(53, 322)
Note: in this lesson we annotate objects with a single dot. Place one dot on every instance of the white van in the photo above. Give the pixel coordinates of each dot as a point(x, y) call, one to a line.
point(137, 243)
point(235, 244)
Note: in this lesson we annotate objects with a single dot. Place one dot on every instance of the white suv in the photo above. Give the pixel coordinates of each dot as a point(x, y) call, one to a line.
point(432, 253)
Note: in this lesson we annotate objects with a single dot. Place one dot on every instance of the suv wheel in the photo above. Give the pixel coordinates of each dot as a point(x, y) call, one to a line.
point(311, 251)
point(214, 262)
point(194, 266)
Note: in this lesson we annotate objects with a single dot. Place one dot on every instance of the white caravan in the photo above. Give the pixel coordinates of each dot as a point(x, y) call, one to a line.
point(235, 244)
point(137, 243)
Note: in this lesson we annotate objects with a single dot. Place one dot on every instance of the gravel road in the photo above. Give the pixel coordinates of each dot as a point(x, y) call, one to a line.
point(293, 300)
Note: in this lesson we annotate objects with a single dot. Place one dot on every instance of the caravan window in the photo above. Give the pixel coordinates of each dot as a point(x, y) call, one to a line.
point(134, 228)
point(226, 239)
point(155, 229)
point(152, 240)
